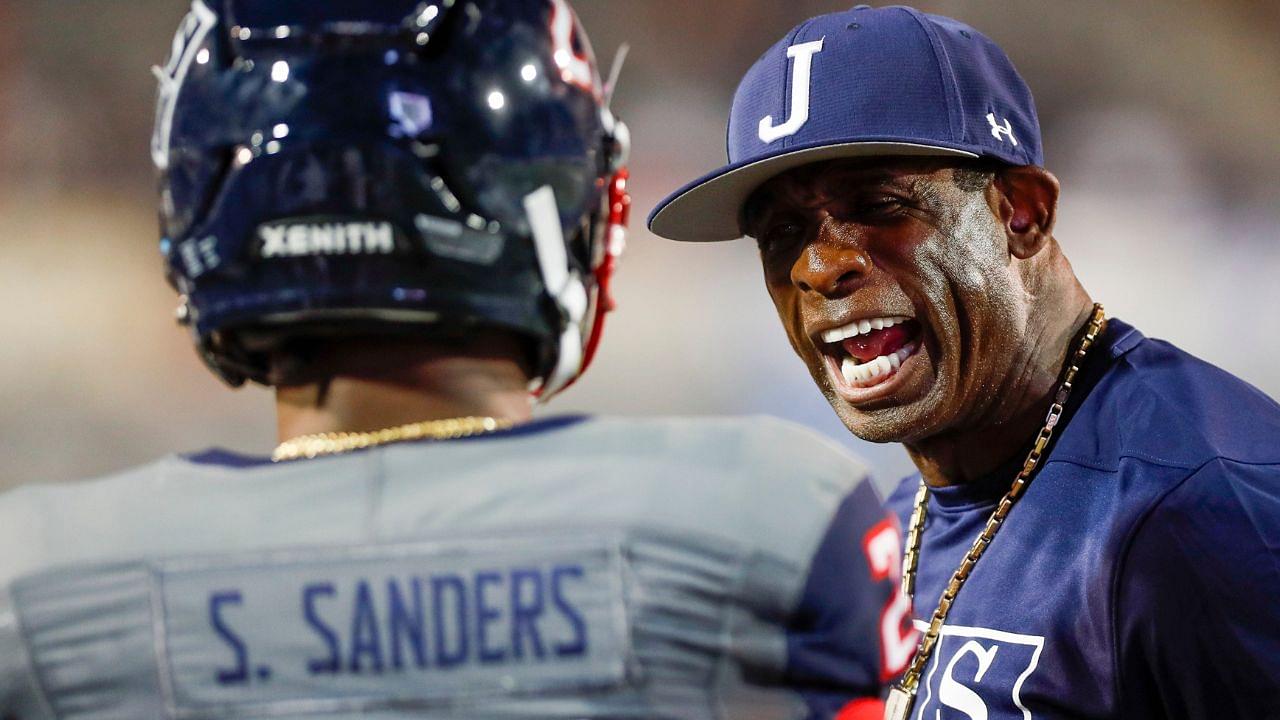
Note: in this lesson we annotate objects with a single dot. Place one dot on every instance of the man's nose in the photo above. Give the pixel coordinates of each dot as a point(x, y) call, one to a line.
point(833, 264)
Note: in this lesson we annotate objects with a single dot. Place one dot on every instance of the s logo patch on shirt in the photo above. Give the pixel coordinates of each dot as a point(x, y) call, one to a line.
point(978, 674)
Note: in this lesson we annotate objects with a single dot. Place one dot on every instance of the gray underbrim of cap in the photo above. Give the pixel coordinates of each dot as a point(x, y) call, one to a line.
point(708, 211)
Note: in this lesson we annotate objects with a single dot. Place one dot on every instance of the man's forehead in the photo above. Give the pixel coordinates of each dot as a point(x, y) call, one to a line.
point(804, 183)
point(872, 169)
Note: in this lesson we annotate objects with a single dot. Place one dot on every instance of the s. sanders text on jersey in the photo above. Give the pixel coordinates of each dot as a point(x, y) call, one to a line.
point(428, 623)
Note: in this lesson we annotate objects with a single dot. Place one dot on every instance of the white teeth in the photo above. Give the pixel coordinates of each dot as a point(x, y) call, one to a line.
point(860, 374)
point(860, 327)
point(849, 369)
point(882, 366)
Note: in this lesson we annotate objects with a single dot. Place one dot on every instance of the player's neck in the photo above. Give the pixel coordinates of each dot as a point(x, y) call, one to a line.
point(432, 388)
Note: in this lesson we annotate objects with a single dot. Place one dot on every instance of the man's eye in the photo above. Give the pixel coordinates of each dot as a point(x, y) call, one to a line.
point(878, 206)
point(781, 233)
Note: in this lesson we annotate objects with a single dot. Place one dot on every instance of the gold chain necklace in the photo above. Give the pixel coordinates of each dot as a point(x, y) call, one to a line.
point(903, 695)
point(310, 446)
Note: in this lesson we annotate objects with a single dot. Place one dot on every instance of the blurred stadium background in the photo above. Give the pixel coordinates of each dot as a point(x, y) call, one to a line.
point(1160, 119)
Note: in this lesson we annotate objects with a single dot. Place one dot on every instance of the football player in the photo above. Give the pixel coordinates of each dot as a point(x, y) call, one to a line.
point(403, 216)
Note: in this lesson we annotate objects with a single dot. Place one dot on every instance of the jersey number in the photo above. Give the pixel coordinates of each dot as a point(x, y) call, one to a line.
point(883, 547)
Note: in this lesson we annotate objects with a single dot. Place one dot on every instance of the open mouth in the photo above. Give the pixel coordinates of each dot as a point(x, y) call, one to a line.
point(868, 352)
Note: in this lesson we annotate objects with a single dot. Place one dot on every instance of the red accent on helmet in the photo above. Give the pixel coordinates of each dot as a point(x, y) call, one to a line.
point(615, 240)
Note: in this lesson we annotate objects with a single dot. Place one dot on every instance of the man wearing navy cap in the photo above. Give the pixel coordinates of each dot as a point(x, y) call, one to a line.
point(1095, 528)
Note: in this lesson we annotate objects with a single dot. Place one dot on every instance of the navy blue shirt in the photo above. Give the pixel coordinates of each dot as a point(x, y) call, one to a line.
point(1139, 577)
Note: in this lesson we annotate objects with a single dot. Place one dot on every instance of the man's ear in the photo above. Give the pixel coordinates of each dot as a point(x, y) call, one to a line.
point(1028, 207)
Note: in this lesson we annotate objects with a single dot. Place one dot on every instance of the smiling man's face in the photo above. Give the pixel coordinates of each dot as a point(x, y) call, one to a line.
point(895, 283)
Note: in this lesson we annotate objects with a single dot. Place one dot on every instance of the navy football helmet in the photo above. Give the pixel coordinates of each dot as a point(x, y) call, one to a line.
point(358, 166)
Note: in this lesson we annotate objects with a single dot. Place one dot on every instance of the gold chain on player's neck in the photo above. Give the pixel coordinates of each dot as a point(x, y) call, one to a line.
point(318, 444)
point(902, 696)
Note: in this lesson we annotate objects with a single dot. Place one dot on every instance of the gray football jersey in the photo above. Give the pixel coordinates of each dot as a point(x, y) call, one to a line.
point(569, 568)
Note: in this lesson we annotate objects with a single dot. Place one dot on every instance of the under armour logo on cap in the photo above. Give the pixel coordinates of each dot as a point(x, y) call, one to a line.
point(997, 130)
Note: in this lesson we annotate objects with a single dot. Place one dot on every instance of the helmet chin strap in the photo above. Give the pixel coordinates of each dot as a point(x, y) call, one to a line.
point(564, 286)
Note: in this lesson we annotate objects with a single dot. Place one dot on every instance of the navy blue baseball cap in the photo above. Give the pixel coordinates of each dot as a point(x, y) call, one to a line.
point(864, 82)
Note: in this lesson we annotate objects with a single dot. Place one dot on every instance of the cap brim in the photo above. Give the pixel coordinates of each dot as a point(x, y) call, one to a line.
point(706, 210)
